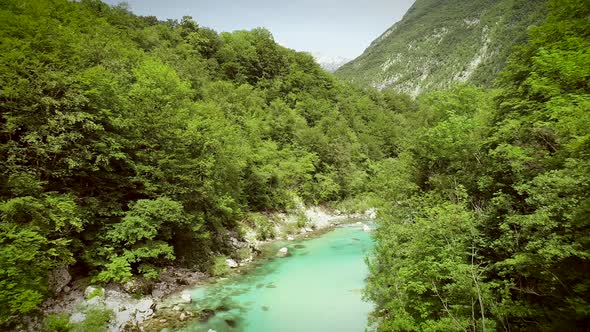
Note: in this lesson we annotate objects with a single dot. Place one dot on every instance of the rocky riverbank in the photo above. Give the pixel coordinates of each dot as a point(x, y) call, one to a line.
point(163, 306)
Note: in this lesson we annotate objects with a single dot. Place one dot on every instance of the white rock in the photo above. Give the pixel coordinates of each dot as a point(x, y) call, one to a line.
point(307, 229)
point(366, 228)
point(94, 291)
point(186, 297)
point(157, 293)
point(182, 316)
point(127, 310)
point(359, 223)
point(371, 213)
point(211, 330)
point(231, 263)
point(290, 238)
point(176, 308)
point(283, 252)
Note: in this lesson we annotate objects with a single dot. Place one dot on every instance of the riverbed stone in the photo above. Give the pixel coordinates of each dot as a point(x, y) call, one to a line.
point(366, 228)
point(371, 213)
point(231, 263)
point(283, 252)
point(186, 297)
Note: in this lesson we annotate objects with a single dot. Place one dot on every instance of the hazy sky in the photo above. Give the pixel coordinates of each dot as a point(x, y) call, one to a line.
point(331, 27)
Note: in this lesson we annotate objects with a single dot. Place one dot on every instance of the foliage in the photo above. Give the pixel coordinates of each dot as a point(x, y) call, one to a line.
point(219, 266)
point(57, 323)
point(438, 43)
point(265, 229)
point(96, 320)
point(96, 292)
point(128, 144)
point(243, 254)
point(485, 217)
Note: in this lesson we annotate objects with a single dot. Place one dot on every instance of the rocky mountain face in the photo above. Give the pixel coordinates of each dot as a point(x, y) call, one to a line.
point(440, 42)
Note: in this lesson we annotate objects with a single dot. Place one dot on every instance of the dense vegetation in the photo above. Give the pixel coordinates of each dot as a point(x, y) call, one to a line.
point(488, 214)
point(128, 144)
point(439, 43)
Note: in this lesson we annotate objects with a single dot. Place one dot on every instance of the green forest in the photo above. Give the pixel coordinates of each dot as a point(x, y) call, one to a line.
point(128, 144)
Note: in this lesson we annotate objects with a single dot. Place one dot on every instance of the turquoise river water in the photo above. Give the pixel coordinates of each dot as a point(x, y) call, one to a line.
point(316, 288)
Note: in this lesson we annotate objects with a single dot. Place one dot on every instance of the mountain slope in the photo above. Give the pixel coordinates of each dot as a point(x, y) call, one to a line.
point(439, 42)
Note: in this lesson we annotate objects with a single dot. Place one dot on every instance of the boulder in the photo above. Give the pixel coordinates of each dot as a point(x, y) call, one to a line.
point(132, 286)
point(182, 316)
point(157, 293)
point(283, 252)
point(290, 238)
point(58, 279)
point(186, 297)
point(366, 228)
point(231, 263)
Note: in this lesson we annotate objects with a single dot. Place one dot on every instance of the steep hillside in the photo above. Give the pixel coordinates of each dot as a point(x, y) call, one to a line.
point(439, 42)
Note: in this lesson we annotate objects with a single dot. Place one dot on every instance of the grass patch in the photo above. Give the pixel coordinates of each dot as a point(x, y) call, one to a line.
point(97, 320)
point(57, 323)
point(219, 266)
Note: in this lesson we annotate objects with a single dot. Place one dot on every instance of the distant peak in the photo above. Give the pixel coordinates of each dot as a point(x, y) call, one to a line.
point(330, 63)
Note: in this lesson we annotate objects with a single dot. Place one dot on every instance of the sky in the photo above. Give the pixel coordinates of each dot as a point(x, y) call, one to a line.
point(326, 28)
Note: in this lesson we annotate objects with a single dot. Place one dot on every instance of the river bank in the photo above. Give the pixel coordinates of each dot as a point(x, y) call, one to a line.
point(161, 306)
point(312, 283)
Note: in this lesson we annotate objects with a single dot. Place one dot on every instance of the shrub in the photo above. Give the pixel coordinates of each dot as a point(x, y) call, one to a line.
point(242, 254)
point(57, 323)
point(219, 266)
point(97, 320)
point(96, 292)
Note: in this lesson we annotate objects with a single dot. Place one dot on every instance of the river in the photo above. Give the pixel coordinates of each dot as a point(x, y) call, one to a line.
point(316, 288)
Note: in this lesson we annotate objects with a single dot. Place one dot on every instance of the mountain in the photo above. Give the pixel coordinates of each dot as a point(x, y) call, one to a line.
point(439, 42)
point(329, 63)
